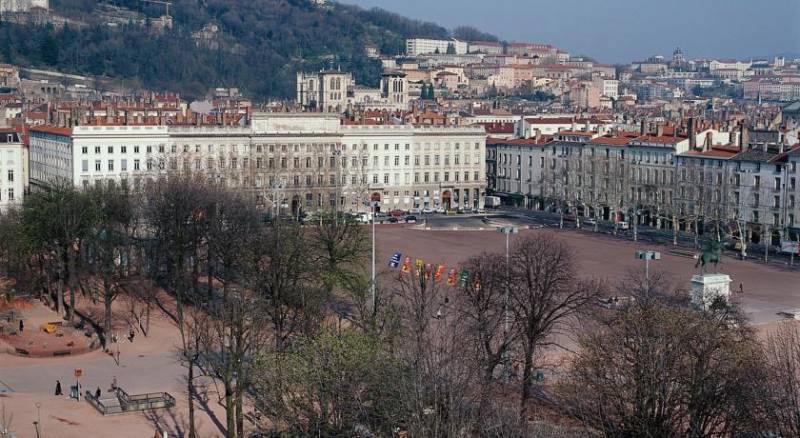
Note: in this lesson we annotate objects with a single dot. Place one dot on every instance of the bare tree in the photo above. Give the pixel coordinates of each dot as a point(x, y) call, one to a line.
point(783, 395)
point(545, 293)
point(656, 370)
point(483, 311)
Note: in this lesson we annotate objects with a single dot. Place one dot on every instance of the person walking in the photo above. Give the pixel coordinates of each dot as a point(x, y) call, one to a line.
point(21, 326)
point(97, 394)
point(58, 387)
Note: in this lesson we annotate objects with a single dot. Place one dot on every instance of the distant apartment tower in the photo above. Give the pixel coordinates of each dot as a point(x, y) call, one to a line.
point(423, 46)
point(325, 91)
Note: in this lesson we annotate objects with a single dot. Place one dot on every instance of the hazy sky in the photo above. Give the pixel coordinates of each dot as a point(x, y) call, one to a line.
point(623, 30)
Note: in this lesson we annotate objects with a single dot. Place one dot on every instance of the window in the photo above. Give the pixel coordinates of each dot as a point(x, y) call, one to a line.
point(396, 160)
point(85, 150)
point(85, 165)
point(386, 178)
point(135, 164)
point(124, 149)
point(11, 194)
point(10, 175)
point(97, 149)
point(97, 165)
point(123, 165)
point(136, 149)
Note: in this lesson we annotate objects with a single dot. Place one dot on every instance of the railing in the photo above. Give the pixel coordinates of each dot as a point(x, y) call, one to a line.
point(131, 403)
point(139, 402)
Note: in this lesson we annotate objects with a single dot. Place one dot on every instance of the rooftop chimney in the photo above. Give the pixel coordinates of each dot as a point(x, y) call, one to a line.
point(691, 134)
point(642, 127)
point(744, 137)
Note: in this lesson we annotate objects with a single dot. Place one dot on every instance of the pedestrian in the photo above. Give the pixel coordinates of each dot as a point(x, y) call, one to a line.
point(97, 393)
point(741, 288)
point(21, 326)
point(58, 387)
point(114, 383)
point(131, 335)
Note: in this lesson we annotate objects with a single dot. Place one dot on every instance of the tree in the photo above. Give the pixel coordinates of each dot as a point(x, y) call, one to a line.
point(482, 309)
point(56, 222)
point(469, 33)
point(659, 370)
point(451, 49)
point(545, 293)
point(108, 241)
point(332, 384)
point(782, 395)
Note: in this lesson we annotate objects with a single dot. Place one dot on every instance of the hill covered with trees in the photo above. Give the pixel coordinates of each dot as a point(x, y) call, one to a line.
point(256, 45)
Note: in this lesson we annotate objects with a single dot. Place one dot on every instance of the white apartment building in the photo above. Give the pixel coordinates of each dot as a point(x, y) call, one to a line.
point(422, 46)
point(13, 169)
point(309, 161)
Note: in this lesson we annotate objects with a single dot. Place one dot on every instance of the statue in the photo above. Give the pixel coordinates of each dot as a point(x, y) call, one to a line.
point(711, 253)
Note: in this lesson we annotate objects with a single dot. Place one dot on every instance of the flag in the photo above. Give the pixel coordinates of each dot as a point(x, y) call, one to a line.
point(477, 284)
point(464, 276)
point(428, 270)
point(406, 266)
point(451, 277)
point(394, 262)
point(419, 264)
point(439, 273)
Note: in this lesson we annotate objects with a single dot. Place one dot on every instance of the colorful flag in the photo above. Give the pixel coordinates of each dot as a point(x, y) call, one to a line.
point(394, 262)
point(451, 277)
point(464, 276)
point(428, 270)
point(439, 272)
point(406, 265)
point(419, 264)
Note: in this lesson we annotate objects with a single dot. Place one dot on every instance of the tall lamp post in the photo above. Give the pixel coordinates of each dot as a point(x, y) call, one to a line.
point(373, 204)
point(647, 256)
point(508, 231)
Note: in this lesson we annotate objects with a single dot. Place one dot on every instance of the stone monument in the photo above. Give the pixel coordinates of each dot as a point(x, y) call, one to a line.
point(706, 287)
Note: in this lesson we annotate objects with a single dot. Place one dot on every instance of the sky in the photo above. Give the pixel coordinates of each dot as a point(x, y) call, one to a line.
point(623, 30)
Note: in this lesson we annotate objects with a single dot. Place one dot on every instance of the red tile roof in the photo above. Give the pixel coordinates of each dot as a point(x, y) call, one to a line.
point(52, 130)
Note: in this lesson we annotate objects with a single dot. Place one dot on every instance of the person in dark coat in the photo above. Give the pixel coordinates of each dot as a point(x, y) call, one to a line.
point(97, 393)
point(21, 326)
point(58, 387)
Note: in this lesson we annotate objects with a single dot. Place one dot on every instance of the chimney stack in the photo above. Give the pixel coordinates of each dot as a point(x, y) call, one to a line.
point(642, 127)
point(691, 134)
point(744, 137)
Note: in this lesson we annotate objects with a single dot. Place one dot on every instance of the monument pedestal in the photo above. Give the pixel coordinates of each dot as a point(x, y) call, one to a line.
point(707, 287)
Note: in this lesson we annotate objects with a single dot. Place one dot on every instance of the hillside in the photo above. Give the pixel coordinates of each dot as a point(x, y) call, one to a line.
point(256, 45)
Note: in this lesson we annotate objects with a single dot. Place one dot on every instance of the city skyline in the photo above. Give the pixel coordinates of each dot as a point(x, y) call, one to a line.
point(726, 29)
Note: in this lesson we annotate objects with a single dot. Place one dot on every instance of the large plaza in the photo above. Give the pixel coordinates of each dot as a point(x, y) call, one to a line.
point(150, 364)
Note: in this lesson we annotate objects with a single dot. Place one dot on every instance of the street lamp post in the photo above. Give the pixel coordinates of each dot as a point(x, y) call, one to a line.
point(508, 231)
point(373, 204)
point(647, 256)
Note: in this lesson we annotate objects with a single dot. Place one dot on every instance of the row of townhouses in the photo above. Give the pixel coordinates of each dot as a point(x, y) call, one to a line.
point(305, 161)
point(666, 181)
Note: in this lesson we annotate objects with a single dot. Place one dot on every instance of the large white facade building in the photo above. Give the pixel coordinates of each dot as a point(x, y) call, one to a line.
point(422, 46)
point(309, 161)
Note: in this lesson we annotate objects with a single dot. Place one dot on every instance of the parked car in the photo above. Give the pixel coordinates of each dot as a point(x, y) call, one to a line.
point(427, 210)
point(381, 217)
point(392, 220)
point(623, 225)
point(590, 221)
point(415, 210)
point(410, 218)
point(396, 213)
